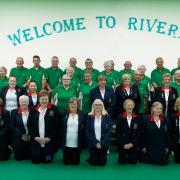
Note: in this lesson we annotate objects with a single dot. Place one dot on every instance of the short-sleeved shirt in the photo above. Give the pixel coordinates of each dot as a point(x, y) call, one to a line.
point(144, 92)
point(37, 74)
point(85, 89)
point(3, 82)
point(174, 70)
point(54, 76)
point(156, 76)
point(63, 96)
point(21, 74)
point(146, 81)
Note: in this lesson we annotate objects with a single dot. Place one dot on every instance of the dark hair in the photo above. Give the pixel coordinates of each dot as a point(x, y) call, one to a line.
point(36, 56)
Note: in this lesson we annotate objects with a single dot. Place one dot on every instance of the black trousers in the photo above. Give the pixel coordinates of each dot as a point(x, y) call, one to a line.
point(127, 156)
point(43, 157)
point(71, 156)
point(98, 157)
point(177, 154)
point(22, 151)
point(5, 152)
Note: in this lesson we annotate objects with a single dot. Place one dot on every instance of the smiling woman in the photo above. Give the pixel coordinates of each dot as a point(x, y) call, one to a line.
point(29, 34)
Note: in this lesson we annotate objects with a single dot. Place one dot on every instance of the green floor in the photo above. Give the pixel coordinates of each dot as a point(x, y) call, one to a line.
point(112, 171)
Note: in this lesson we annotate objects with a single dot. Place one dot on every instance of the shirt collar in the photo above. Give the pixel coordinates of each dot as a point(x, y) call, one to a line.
point(125, 114)
point(38, 106)
point(161, 117)
point(20, 110)
point(177, 114)
point(123, 87)
point(163, 88)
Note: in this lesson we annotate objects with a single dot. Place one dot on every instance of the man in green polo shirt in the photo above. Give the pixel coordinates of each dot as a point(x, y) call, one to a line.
point(176, 83)
point(156, 74)
point(53, 74)
point(3, 77)
point(115, 72)
point(38, 74)
point(127, 70)
point(89, 68)
point(20, 72)
point(175, 69)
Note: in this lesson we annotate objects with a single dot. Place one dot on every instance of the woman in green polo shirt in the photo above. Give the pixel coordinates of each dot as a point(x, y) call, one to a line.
point(62, 94)
point(3, 77)
point(85, 89)
point(111, 79)
point(75, 82)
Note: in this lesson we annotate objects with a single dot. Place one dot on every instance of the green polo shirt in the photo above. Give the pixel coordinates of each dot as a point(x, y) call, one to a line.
point(156, 76)
point(123, 71)
point(94, 72)
point(146, 81)
point(85, 89)
point(3, 82)
point(21, 75)
point(37, 75)
point(144, 92)
point(176, 86)
point(116, 73)
point(75, 83)
point(174, 70)
point(111, 79)
point(54, 76)
point(78, 72)
point(63, 97)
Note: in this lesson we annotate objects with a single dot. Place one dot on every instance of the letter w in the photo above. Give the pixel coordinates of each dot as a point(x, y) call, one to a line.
point(15, 38)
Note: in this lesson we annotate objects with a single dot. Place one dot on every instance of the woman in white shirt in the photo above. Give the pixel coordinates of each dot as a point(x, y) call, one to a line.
point(72, 133)
point(128, 131)
point(11, 93)
point(98, 132)
point(166, 95)
point(20, 134)
point(43, 129)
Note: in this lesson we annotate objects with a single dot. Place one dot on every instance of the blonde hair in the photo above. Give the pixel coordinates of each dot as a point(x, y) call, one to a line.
point(70, 69)
point(127, 101)
point(125, 76)
point(176, 104)
point(166, 75)
point(155, 104)
point(24, 98)
point(103, 112)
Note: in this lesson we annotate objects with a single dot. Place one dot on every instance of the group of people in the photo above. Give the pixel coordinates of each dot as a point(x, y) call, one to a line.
point(42, 110)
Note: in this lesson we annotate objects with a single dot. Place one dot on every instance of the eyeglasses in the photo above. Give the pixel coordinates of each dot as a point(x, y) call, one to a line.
point(66, 79)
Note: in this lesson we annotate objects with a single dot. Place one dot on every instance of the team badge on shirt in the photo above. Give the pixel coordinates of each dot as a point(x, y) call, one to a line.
point(135, 126)
point(51, 113)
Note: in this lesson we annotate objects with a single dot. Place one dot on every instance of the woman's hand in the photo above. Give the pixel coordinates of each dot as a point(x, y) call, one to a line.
point(98, 146)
